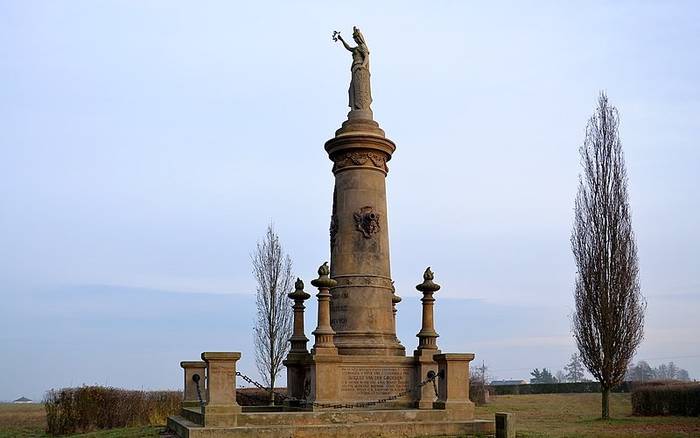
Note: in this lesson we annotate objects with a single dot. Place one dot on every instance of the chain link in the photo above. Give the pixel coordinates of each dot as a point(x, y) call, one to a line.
point(196, 379)
point(431, 378)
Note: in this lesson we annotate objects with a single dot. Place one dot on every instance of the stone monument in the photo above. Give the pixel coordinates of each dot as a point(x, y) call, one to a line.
point(357, 369)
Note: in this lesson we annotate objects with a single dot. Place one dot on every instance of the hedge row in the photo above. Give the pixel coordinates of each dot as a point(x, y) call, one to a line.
point(554, 388)
point(668, 399)
point(88, 408)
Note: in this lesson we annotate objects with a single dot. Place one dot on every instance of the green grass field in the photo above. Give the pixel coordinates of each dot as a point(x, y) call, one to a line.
point(541, 415)
point(578, 415)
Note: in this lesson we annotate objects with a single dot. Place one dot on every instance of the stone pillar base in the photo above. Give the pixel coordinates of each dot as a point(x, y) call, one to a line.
point(221, 408)
point(456, 411)
point(221, 415)
point(424, 364)
point(454, 385)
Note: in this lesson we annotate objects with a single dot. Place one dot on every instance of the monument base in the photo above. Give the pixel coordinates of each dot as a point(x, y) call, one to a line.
point(332, 424)
point(330, 381)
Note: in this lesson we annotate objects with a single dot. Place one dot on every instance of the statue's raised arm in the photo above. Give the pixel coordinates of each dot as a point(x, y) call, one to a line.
point(360, 92)
point(338, 37)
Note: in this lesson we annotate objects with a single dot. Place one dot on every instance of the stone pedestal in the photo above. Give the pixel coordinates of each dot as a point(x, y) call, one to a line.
point(221, 408)
point(350, 379)
point(424, 364)
point(190, 397)
point(361, 307)
point(453, 387)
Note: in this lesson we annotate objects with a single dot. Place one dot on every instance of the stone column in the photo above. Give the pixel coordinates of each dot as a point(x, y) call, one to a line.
point(298, 339)
point(190, 397)
point(221, 408)
point(427, 345)
point(298, 354)
point(453, 387)
point(361, 314)
point(427, 336)
point(324, 333)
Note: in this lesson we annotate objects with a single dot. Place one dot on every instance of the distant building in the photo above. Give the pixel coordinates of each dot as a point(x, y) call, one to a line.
point(23, 400)
point(508, 382)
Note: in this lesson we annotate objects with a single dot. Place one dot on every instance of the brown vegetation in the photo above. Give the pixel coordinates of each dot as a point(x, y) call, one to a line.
point(667, 399)
point(88, 408)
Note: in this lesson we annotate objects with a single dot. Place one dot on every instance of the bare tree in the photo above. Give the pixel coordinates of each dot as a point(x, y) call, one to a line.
point(574, 369)
point(479, 378)
point(561, 377)
point(608, 323)
point(272, 269)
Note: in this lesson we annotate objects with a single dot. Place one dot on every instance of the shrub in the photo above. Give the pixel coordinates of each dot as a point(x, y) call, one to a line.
point(258, 397)
point(667, 399)
point(77, 410)
point(553, 388)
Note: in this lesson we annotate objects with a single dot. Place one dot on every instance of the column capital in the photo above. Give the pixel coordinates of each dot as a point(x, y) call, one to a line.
point(454, 357)
point(209, 356)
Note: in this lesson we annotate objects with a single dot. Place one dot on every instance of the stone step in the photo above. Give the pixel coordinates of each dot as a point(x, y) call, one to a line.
point(339, 416)
point(354, 430)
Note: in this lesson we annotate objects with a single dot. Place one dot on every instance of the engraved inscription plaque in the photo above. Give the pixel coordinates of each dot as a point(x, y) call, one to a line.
point(367, 383)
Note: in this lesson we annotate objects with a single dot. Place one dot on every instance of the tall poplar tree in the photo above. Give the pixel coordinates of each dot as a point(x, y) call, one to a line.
point(608, 323)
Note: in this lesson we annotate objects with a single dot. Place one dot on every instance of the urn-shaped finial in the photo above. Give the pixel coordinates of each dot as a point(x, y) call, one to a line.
point(299, 293)
point(428, 285)
point(323, 280)
point(324, 269)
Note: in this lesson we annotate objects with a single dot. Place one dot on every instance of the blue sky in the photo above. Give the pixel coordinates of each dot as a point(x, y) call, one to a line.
point(144, 146)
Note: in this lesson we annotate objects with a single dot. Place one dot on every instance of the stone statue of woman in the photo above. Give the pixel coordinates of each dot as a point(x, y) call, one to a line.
point(360, 93)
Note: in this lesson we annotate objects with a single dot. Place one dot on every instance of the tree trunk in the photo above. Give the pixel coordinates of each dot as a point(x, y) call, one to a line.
point(272, 391)
point(605, 408)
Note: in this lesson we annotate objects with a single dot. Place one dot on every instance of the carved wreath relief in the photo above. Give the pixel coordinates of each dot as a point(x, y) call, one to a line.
point(367, 221)
point(360, 158)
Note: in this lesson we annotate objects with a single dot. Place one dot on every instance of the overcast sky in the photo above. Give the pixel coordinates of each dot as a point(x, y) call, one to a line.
point(144, 147)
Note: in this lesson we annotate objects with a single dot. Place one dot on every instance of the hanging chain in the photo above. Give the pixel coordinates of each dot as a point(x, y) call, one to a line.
point(441, 374)
point(195, 379)
point(432, 376)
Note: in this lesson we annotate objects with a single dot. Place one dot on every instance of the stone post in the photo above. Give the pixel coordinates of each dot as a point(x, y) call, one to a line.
point(298, 339)
point(189, 395)
point(453, 386)
point(427, 345)
point(427, 336)
point(324, 332)
point(298, 354)
point(221, 408)
point(505, 425)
